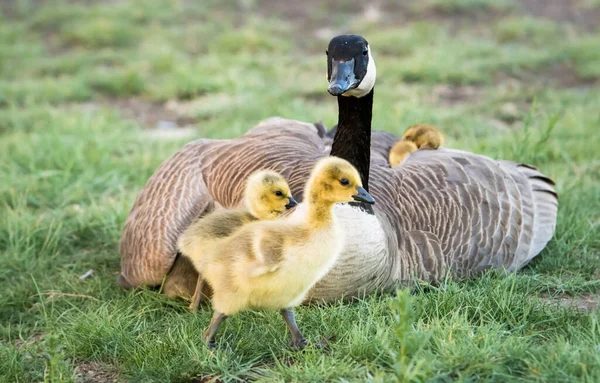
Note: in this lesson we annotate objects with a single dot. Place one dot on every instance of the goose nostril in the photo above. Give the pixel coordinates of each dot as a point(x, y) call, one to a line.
point(335, 89)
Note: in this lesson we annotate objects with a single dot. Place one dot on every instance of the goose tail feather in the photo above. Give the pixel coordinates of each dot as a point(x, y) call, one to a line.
point(544, 209)
point(545, 200)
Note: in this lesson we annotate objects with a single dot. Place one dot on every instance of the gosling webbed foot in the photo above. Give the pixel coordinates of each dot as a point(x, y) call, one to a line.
point(212, 345)
point(298, 344)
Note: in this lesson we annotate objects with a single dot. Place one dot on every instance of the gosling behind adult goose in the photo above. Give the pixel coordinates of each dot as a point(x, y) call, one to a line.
point(419, 136)
point(267, 196)
point(442, 211)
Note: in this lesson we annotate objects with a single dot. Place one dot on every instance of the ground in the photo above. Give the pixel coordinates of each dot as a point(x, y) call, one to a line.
point(95, 95)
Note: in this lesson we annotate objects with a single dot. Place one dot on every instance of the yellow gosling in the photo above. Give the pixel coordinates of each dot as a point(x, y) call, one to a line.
point(419, 136)
point(267, 196)
point(273, 264)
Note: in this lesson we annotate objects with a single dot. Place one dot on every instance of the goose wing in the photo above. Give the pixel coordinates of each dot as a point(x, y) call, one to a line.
point(268, 252)
point(172, 199)
point(458, 211)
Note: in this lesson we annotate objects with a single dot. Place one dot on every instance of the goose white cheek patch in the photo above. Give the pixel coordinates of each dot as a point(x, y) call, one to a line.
point(367, 83)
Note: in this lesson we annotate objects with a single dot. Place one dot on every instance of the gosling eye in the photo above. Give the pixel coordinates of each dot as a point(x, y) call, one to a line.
point(365, 52)
point(278, 193)
point(344, 182)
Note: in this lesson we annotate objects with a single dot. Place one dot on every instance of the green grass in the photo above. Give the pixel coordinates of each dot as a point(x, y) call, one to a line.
point(465, 6)
point(71, 164)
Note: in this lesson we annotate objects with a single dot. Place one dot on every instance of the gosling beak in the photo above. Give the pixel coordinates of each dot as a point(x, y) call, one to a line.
point(363, 196)
point(342, 77)
point(292, 203)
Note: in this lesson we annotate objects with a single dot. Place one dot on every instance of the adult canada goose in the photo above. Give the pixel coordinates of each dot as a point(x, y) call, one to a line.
point(272, 264)
point(441, 211)
point(267, 196)
point(419, 136)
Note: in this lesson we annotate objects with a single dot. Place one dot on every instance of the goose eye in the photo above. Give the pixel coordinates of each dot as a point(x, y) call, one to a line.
point(344, 182)
point(278, 193)
point(365, 52)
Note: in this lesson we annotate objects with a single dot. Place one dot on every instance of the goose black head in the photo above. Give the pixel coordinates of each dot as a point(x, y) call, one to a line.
point(350, 66)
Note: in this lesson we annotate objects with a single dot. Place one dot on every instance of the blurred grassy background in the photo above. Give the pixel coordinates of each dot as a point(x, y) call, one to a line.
point(94, 95)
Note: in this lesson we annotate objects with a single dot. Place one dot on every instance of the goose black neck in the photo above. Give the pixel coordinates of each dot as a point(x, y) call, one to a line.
point(352, 140)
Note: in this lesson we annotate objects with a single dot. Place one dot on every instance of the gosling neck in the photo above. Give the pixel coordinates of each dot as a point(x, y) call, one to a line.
point(352, 140)
point(320, 213)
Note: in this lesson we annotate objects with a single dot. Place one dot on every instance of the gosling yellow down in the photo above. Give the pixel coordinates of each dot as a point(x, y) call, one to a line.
point(273, 264)
point(419, 136)
point(266, 196)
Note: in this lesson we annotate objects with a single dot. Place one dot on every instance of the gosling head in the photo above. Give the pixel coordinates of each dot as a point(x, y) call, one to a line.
point(334, 180)
point(268, 195)
point(350, 67)
point(424, 136)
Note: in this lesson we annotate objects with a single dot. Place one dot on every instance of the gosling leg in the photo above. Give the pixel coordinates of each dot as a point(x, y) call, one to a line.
point(298, 341)
point(197, 298)
point(211, 332)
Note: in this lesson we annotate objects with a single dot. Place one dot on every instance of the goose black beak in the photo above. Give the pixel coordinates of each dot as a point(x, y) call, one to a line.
point(363, 196)
point(292, 203)
point(342, 77)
